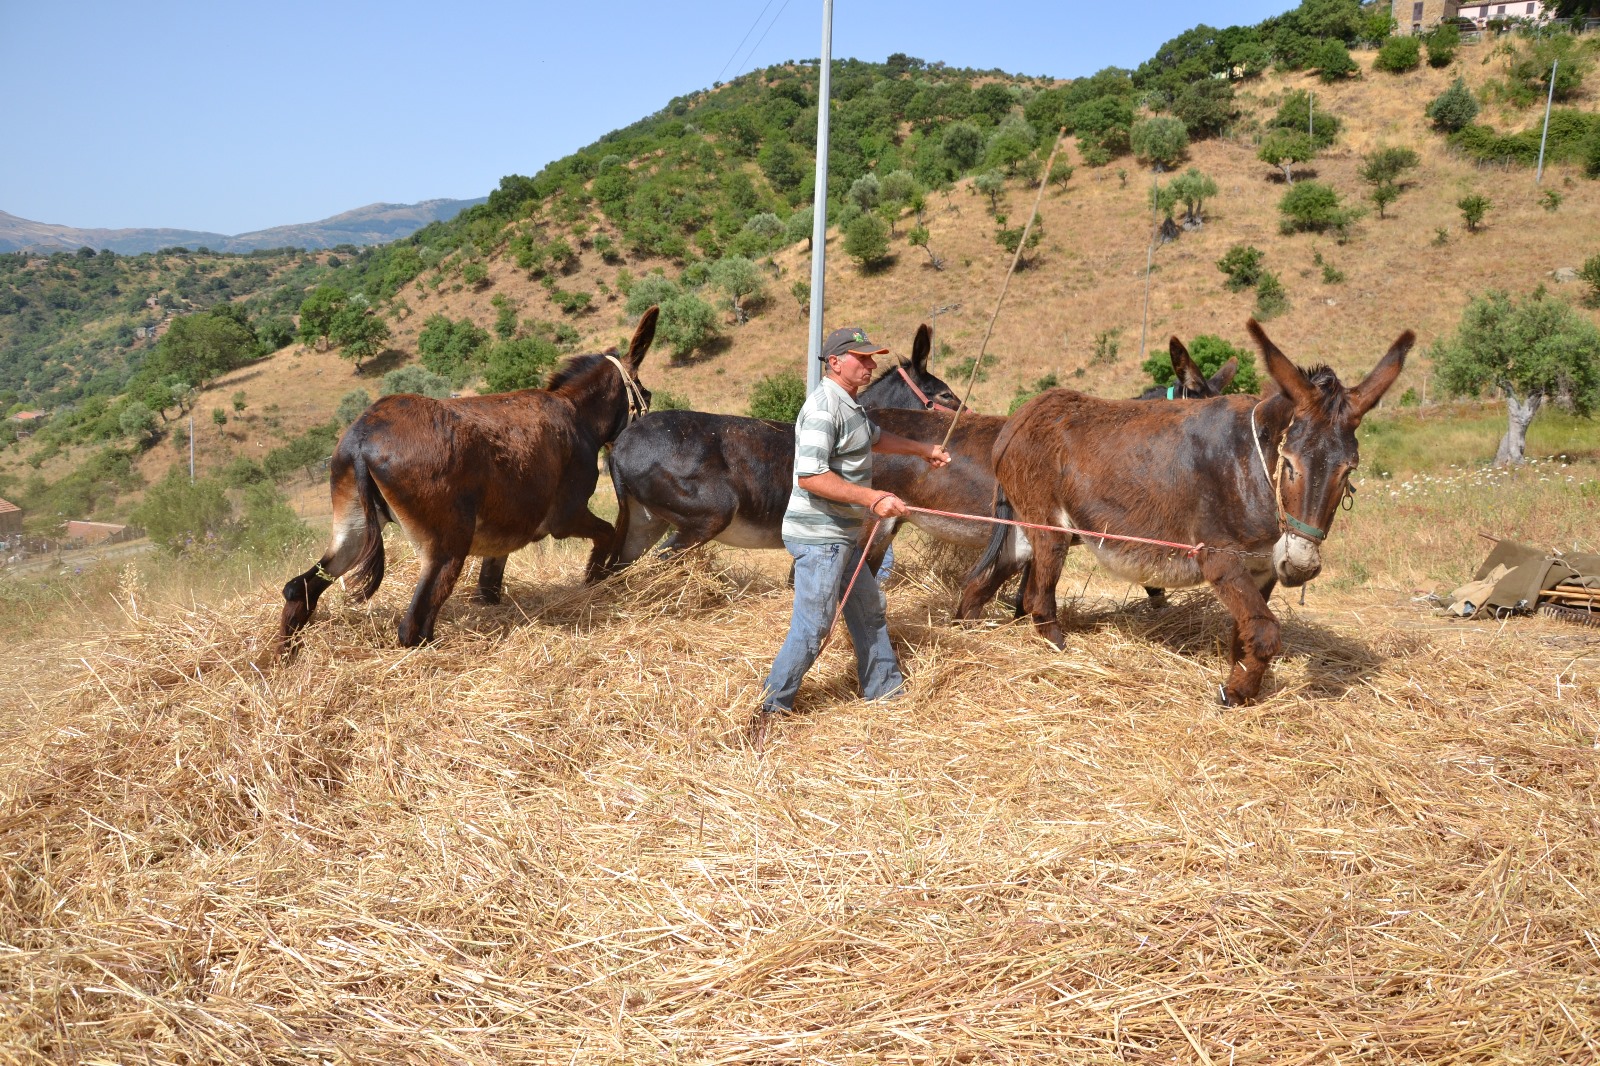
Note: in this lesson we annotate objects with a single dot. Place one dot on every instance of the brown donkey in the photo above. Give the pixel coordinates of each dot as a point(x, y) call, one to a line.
point(480, 475)
point(1258, 481)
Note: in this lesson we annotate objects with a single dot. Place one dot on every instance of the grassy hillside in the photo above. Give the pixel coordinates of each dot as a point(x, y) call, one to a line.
point(563, 261)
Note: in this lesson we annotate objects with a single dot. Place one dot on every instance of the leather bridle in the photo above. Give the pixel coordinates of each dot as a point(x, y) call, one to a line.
point(927, 404)
point(635, 395)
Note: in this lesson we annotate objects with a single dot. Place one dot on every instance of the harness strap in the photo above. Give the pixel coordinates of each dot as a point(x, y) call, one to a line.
point(631, 390)
point(1170, 390)
point(927, 404)
point(1287, 522)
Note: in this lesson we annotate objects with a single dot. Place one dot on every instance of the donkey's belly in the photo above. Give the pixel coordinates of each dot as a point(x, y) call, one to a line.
point(1138, 565)
point(952, 530)
point(743, 533)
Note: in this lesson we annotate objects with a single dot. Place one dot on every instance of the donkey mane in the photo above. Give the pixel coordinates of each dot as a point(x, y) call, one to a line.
point(572, 369)
point(1332, 396)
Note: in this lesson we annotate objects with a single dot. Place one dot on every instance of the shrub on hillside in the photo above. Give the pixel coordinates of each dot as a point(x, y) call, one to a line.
point(180, 515)
point(1442, 43)
point(450, 348)
point(652, 290)
point(866, 240)
point(1161, 141)
point(778, 396)
point(1271, 298)
point(1312, 207)
point(1242, 264)
point(687, 324)
point(351, 404)
point(523, 363)
point(1206, 107)
point(1331, 59)
point(1398, 55)
point(417, 380)
point(1453, 109)
point(1209, 352)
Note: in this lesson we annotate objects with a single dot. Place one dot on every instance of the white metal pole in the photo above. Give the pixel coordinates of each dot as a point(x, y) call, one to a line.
point(191, 449)
point(1538, 176)
point(819, 204)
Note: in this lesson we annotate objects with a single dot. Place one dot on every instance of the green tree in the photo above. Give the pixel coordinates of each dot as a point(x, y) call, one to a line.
point(1441, 43)
point(799, 226)
point(1209, 352)
point(413, 379)
point(238, 401)
point(992, 184)
point(1534, 351)
point(1011, 142)
point(197, 348)
point(897, 186)
point(505, 317)
point(1243, 266)
point(918, 238)
point(801, 291)
point(219, 417)
point(1314, 207)
point(687, 324)
point(1193, 188)
point(450, 348)
point(522, 363)
point(268, 523)
point(1060, 173)
point(652, 290)
point(962, 144)
point(1473, 207)
point(741, 280)
point(1590, 273)
point(359, 332)
point(778, 396)
point(1284, 148)
point(1383, 169)
point(182, 517)
point(866, 240)
point(351, 404)
point(1271, 297)
point(865, 192)
point(317, 312)
point(1453, 109)
point(1161, 141)
point(1331, 59)
point(1398, 54)
point(1206, 107)
point(137, 421)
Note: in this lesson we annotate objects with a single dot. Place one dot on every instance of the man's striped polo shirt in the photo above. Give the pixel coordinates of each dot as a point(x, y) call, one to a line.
point(832, 432)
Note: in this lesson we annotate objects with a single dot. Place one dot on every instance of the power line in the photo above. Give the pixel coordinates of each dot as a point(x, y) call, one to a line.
point(774, 22)
point(746, 37)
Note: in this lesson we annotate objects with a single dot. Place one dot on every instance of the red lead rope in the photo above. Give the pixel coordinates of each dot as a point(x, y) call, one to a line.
point(1190, 550)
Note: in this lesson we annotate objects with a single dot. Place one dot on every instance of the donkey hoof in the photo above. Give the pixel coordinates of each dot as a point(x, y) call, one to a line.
point(1222, 697)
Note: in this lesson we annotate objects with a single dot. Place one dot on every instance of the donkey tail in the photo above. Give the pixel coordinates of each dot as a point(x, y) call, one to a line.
point(624, 513)
point(983, 570)
point(366, 573)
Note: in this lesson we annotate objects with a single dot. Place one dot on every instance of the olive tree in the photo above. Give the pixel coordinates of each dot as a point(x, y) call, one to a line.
point(741, 280)
point(1533, 351)
point(1160, 141)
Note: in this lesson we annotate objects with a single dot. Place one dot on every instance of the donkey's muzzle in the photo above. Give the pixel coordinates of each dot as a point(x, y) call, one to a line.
point(1296, 560)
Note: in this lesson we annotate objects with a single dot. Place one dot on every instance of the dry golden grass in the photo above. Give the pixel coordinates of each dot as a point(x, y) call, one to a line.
point(546, 839)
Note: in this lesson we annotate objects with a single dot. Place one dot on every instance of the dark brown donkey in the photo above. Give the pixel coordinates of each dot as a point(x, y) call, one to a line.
point(1256, 480)
point(726, 478)
point(480, 475)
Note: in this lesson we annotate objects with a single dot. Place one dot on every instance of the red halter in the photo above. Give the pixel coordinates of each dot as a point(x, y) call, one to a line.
point(927, 404)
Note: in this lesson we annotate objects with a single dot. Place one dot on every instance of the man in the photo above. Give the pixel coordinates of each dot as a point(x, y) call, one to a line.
point(829, 507)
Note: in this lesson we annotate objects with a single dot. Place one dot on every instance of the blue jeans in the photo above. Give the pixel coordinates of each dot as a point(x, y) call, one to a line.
point(821, 572)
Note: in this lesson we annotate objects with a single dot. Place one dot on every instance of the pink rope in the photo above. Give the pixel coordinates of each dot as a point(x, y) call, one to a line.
point(1190, 550)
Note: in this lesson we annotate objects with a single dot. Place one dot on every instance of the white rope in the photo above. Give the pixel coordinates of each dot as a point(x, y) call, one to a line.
point(631, 391)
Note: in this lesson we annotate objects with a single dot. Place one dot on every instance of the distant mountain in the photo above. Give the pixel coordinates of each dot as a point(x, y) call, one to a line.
point(373, 224)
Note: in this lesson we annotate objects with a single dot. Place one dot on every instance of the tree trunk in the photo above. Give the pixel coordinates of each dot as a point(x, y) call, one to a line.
point(1515, 442)
point(1288, 172)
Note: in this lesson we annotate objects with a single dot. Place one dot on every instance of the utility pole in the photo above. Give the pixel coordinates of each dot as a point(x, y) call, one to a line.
point(819, 204)
point(1311, 114)
point(1538, 176)
point(191, 449)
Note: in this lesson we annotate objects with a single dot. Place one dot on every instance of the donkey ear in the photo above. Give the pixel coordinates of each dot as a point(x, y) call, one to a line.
point(1183, 366)
point(1365, 396)
point(921, 345)
point(642, 336)
point(1224, 376)
point(1288, 376)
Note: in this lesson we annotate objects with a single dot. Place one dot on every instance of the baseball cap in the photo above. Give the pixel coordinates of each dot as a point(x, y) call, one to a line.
point(850, 340)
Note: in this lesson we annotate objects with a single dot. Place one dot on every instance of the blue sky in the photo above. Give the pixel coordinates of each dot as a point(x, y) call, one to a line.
point(232, 117)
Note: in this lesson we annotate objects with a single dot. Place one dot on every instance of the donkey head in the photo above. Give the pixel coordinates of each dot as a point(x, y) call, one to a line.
point(911, 385)
point(1312, 429)
point(1192, 383)
point(643, 335)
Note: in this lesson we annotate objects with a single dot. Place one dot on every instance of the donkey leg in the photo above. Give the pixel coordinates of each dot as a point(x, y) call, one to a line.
point(1039, 593)
point(639, 537)
point(582, 522)
point(1256, 638)
point(301, 593)
point(439, 574)
point(1157, 597)
point(491, 579)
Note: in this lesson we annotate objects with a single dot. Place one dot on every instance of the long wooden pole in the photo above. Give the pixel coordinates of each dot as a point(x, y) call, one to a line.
point(1044, 181)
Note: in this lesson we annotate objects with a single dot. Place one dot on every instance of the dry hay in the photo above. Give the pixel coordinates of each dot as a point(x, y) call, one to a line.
point(545, 839)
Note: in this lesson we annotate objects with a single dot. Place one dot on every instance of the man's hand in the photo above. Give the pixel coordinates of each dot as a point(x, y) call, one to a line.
point(937, 456)
point(889, 506)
